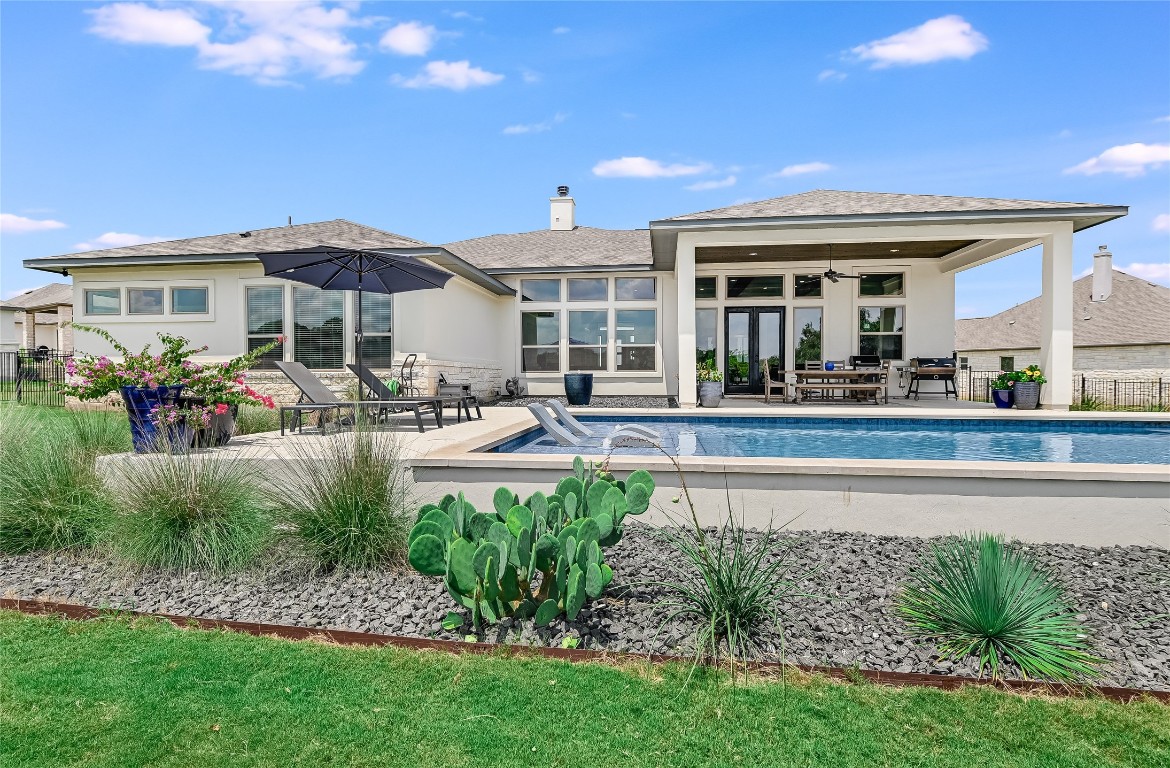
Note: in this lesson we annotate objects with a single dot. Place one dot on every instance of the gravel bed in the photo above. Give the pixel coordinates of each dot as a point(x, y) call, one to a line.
point(1120, 590)
point(597, 401)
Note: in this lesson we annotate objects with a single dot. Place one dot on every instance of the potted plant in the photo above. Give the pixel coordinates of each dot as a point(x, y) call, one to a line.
point(1028, 383)
point(710, 385)
point(578, 388)
point(1002, 393)
point(222, 389)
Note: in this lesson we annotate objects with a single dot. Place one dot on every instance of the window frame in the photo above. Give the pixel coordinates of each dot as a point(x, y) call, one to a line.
point(871, 296)
point(653, 282)
point(569, 289)
point(603, 348)
point(206, 299)
point(618, 345)
point(557, 346)
point(373, 334)
point(560, 290)
point(901, 332)
point(1011, 358)
point(85, 302)
point(162, 300)
point(284, 350)
point(778, 296)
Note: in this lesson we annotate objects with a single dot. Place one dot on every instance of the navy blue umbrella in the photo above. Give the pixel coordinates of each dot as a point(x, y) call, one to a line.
point(349, 269)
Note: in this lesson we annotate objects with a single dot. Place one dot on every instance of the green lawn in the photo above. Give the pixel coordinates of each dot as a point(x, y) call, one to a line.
point(115, 693)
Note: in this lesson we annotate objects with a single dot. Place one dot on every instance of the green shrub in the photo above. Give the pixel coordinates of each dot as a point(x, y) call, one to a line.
point(253, 419)
point(352, 506)
point(51, 497)
point(98, 432)
point(975, 596)
point(188, 512)
point(490, 560)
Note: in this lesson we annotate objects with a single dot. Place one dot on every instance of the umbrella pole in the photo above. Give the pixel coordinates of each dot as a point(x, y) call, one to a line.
point(357, 331)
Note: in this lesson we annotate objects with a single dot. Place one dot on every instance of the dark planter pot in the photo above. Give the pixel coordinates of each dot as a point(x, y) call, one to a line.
point(578, 388)
point(147, 436)
point(219, 430)
point(710, 393)
point(1027, 395)
point(1003, 398)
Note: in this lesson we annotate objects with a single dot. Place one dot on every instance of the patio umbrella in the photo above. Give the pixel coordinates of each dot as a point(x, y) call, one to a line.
point(349, 269)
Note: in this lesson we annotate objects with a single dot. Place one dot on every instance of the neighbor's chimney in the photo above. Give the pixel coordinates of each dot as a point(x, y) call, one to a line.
point(562, 210)
point(1102, 274)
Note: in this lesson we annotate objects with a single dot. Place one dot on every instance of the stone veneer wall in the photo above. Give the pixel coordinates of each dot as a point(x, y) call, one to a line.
point(486, 379)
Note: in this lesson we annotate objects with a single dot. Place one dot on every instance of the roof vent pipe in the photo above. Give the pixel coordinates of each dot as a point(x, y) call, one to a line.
point(563, 191)
point(1102, 274)
point(562, 213)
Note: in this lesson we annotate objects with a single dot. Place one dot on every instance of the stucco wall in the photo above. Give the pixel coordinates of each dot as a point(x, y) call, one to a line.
point(1125, 362)
point(9, 336)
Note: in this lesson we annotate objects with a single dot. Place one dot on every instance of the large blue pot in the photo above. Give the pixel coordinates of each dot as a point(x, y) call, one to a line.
point(1003, 398)
point(578, 388)
point(145, 433)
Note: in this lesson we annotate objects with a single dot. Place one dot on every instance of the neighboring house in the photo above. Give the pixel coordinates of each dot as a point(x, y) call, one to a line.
point(9, 337)
point(51, 307)
point(741, 286)
point(1121, 329)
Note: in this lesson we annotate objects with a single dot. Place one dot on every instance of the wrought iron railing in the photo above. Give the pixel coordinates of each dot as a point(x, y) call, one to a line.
point(33, 376)
point(1089, 393)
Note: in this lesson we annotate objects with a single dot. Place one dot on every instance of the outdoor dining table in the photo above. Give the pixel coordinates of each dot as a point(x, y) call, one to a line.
point(843, 379)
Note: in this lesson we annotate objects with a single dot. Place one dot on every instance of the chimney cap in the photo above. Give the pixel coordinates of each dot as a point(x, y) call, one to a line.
point(563, 190)
point(1102, 250)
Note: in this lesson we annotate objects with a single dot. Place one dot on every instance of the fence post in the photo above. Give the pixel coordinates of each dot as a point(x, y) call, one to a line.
point(1160, 405)
point(19, 376)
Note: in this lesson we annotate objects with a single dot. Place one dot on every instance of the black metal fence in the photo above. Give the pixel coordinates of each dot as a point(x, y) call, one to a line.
point(1088, 393)
point(33, 377)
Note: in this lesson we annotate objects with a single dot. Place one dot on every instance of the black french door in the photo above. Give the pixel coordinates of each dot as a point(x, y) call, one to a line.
point(753, 343)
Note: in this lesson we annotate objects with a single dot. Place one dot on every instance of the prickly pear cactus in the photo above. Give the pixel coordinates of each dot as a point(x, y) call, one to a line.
point(533, 560)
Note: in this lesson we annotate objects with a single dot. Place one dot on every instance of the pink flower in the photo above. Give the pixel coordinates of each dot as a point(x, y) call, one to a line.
point(221, 409)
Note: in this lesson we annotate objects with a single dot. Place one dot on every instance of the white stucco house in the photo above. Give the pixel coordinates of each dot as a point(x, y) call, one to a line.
point(50, 308)
point(639, 308)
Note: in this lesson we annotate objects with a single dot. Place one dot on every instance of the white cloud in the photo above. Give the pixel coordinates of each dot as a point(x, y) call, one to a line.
point(645, 168)
point(1162, 222)
point(1165, 119)
point(463, 16)
point(541, 127)
point(1154, 272)
point(11, 224)
point(455, 75)
point(799, 170)
point(530, 77)
point(831, 75)
point(410, 38)
point(268, 42)
point(947, 37)
point(117, 240)
point(1127, 159)
point(560, 30)
point(703, 186)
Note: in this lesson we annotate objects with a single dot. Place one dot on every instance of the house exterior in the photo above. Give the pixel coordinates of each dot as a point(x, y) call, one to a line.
point(51, 307)
point(1121, 329)
point(9, 339)
point(742, 287)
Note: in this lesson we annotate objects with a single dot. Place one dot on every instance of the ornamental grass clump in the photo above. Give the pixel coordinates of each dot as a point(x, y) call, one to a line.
point(190, 512)
point(976, 597)
point(351, 505)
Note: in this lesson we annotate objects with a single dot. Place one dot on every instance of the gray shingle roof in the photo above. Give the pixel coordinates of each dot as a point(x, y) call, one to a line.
point(828, 202)
point(50, 295)
point(1137, 312)
point(339, 232)
point(582, 247)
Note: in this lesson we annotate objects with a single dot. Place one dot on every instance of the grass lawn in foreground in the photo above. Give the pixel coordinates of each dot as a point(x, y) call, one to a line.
point(119, 693)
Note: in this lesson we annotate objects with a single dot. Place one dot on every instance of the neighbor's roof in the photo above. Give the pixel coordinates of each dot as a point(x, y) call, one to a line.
point(1137, 312)
point(828, 202)
point(581, 248)
point(50, 295)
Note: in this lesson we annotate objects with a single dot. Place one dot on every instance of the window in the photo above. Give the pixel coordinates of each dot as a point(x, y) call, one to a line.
point(189, 301)
point(880, 332)
point(1007, 363)
point(704, 287)
point(635, 334)
point(588, 289)
point(706, 330)
point(588, 340)
point(882, 284)
point(540, 341)
point(756, 287)
point(144, 301)
point(103, 301)
point(540, 290)
point(807, 287)
point(806, 330)
point(634, 288)
point(318, 337)
point(377, 343)
point(265, 308)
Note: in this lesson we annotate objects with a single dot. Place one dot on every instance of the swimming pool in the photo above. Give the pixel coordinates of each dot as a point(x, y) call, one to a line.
point(1065, 441)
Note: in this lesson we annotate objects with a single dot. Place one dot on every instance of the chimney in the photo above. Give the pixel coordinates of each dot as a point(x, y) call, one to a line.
point(562, 211)
point(1102, 274)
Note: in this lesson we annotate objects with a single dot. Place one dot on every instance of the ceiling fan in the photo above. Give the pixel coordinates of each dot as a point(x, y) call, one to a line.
point(833, 275)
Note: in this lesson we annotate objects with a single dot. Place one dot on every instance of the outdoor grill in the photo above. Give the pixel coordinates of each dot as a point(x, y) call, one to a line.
point(933, 369)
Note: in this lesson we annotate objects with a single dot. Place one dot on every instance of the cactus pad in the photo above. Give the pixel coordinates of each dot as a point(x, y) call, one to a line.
point(428, 555)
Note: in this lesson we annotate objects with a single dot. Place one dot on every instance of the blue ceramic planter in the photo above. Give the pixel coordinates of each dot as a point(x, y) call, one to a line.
point(1003, 398)
point(145, 433)
point(578, 388)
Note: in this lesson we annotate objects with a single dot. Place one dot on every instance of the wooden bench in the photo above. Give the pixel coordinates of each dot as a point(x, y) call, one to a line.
point(844, 387)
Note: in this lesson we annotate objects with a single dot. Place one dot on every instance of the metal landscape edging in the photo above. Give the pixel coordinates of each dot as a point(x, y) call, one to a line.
point(577, 655)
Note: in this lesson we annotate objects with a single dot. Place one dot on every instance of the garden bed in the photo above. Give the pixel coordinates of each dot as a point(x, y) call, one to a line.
point(1122, 592)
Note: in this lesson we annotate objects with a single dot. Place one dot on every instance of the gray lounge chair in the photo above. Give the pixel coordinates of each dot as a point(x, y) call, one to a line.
point(381, 391)
point(564, 437)
point(315, 396)
point(577, 428)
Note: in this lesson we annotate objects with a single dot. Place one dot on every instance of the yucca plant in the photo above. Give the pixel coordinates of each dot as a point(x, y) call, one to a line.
point(976, 597)
point(352, 503)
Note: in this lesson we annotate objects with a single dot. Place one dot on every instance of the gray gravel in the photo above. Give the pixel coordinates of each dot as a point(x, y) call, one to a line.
point(597, 401)
point(1120, 590)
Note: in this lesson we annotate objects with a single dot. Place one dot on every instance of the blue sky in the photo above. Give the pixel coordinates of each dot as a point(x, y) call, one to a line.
point(121, 122)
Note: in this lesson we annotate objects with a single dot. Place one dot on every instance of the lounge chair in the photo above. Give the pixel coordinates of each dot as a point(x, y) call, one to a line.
point(564, 437)
point(315, 396)
point(577, 428)
point(382, 392)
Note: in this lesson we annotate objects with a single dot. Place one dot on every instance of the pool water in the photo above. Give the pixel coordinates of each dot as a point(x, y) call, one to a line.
point(1096, 442)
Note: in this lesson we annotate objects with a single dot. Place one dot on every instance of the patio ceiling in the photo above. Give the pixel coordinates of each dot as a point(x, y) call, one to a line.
point(915, 249)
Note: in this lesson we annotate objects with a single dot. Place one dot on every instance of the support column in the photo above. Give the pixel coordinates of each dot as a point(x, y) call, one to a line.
point(1056, 319)
point(29, 330)
point(65, 328)
point(684, 273)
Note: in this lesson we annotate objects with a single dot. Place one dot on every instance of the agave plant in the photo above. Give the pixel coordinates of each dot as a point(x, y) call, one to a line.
point(974, 596)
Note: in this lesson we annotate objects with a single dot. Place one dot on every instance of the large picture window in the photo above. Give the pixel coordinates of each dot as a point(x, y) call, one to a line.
point(635, 333)
point(377, 342)
point(881, 332)
point(318, 335)
point(588, 339)
point(540, 339)
point(706, 329)
point(265, 310)
point(103, 301)
point(806, 330)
